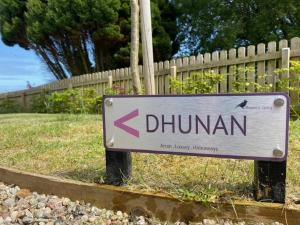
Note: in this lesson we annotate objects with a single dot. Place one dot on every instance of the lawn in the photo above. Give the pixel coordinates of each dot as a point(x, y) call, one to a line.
point(71, 146)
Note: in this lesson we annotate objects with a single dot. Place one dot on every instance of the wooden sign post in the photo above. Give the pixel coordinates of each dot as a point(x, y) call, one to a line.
point(238, 126)
point(269, 181)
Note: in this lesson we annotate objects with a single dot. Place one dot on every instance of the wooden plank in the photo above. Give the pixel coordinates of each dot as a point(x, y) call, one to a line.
point(70, 83)
point(261, 69)
point(199, 64)
point(97, 81)
point(207, 61)
point(179, 75)
point(80, 80)
point(223, 71)
point(241, 69)
point(271, 67)
point(110, 79)
point(97, 75)
point(156, 77)
point(130, 85)
point(232, 71)
point(215, 58)
point(282, 44)
point(270, 181)
point(126, 81)
point(192, 60)
point(251, 69)
point(199, 59)
point(166, 207)
point(122, 81)
point(185, 62)
point(92, 80)
point(106, 76)
point(117, 78)
point(166, 78)
point(294, 80)
point(173, 74)
point(285, 62)
point(84, 79)
point(160, 79)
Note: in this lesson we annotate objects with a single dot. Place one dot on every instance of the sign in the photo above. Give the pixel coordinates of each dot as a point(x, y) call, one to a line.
point(246, 126)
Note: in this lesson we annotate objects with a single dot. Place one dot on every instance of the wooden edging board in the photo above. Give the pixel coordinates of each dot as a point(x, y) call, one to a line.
point(160, 206)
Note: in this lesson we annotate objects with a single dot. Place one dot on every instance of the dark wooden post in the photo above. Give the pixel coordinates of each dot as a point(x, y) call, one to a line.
point(23, 100)
point(118, 167)
point(269, 181)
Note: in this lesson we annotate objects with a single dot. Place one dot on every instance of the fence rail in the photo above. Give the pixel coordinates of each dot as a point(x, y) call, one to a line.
point(264, 58)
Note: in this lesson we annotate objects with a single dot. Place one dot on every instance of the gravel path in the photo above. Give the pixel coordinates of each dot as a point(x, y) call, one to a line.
point(20, 206)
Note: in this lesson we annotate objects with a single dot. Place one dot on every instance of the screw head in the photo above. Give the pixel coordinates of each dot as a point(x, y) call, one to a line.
point(110, 143)
point(278, 102)
point(277, 152)
point(108, 102)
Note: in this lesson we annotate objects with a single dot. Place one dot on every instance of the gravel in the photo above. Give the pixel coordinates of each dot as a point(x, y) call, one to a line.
point(20, 206)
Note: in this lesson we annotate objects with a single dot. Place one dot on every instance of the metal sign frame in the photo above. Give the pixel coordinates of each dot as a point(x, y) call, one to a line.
point(108, 148)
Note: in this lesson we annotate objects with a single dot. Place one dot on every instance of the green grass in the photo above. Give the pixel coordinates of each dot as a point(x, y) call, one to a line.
point(71, 146)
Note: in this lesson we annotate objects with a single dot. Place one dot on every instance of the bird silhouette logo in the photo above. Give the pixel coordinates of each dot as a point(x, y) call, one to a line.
point(242, 104)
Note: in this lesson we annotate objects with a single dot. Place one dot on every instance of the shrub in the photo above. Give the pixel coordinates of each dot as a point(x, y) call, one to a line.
point(207, 82)
point(116, 90)
point(9, 106)
point(39, 104)
point(69, 101)
point(202, 83)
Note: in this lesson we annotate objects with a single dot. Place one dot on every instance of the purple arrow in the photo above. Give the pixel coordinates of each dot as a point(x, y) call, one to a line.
point(120, 123)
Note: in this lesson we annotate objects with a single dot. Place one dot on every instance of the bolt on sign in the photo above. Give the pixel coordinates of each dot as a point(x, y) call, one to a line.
point(246, 126)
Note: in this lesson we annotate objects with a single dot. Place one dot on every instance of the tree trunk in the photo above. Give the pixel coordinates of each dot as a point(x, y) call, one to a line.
point(55, 68)
point(147, 46)
point(134, 48)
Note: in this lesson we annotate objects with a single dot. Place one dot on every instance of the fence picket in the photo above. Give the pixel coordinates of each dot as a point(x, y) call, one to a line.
point(122, 80)
point(295, 45)
point(215, 58)
point(241, 69)
point(117, 74)
point(110, 79)
point(179, 75)
point(282, 44)
point(185, 63)
point(130, 85)
point(261, 69)
point(161, 84)
point(251, 70)
point(103, 75)
point(232, 71)
point(167, 77)
point(126, 80)
point(271, 66)
point(156, 77)
point(223, 70)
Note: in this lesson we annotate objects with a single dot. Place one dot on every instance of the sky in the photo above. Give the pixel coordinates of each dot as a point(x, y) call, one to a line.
point(17, 66)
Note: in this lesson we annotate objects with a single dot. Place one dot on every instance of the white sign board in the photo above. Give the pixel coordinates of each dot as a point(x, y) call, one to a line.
point(247, 126)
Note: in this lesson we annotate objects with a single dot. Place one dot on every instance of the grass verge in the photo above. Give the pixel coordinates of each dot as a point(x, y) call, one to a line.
point(71, 146)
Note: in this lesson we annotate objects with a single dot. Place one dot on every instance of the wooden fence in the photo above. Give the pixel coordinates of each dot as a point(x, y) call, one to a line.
point(265, 59)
